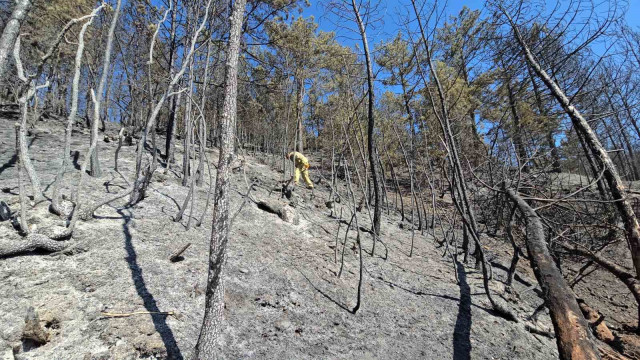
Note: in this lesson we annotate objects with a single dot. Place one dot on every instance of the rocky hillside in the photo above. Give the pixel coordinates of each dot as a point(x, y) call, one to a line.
point(114, 293)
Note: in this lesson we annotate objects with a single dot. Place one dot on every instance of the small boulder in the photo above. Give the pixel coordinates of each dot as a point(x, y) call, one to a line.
point(283, 324)
point(66, 208)
point(289, 215)
point(32, 328)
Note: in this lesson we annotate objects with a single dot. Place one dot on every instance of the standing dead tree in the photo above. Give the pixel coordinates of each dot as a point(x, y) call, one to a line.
point(95, 169)
point(24, 100)
point(28, 90)
point(11, 32)
point(594, 146)
point(456, 179)
point(22, 217)
point(353, 217)
point(75, 85)
point(361, 14)
point(206, 347)
point(371, 143)
point(144, 173)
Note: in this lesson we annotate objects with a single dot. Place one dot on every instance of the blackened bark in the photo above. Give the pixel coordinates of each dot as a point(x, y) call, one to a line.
point(174, 102)
point(171, 132)
point(599, 153)
point(373, 161)
point(573, 336)
point(618, 271)
point(551, 141)
point(517, 128)
point(206, 347)
point(299, 113)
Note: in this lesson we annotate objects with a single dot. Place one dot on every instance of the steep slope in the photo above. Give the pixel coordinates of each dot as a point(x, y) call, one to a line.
point(283, 297)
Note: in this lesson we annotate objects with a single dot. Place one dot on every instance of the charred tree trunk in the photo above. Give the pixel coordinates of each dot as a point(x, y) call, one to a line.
point(573, 336)
point(169, 142)
point(551, 141)
point(144, 173)
point(616, 187)
point(206, 347)
point(618, 271)
point(188, 133)
point(299, 113)
point(459, 191)
point(396, 183)
point(22, 217)
point(517, 128)
point(635, 175)
point(373, 161)
point(171, 132)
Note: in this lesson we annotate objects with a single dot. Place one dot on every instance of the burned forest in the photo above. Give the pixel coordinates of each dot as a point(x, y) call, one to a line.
point(340, 179)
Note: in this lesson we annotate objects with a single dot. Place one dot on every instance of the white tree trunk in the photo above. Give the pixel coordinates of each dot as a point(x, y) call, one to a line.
point(11, 31)
point(95, 163)
point(55, 200)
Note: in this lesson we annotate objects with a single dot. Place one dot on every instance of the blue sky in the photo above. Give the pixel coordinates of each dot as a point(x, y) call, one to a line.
point(389, 15)
point(388, 25)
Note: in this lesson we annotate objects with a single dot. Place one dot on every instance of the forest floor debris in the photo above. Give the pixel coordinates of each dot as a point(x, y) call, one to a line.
point(283, 297)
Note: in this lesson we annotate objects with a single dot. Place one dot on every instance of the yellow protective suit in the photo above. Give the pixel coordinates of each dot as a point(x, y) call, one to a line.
point(301, 168)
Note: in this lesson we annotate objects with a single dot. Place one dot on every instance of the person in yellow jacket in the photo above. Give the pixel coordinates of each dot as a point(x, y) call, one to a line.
point(301, 164)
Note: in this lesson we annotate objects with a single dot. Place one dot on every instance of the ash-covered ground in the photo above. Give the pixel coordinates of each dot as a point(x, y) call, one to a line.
point(283, 297)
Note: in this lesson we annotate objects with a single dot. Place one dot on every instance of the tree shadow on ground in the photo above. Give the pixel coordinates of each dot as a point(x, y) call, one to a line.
point(76, 157)
point(161, 159)
point(462, 329)
point(422, 293)
point(175, 202)
point(159, 321)
point(9, 163)
point(14, 158)
point(327, 296)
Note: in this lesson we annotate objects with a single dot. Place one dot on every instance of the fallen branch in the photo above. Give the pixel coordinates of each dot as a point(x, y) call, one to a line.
point(123, 315)
point(572, 330)
point(534, 330)
point(88, 214)
point(31, 243)
point(175, 256)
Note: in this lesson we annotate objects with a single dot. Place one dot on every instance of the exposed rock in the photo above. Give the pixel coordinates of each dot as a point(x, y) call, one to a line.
point(7, 355)
point(283, 324)
point(289, 215)
point(66, 208)
point(32, 328)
